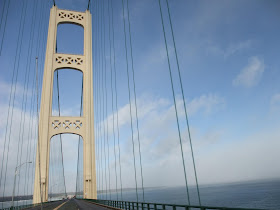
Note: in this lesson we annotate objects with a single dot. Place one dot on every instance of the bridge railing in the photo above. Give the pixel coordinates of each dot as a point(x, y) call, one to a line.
point(130, 205)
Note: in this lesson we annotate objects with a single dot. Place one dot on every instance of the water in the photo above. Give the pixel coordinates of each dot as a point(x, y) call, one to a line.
point(258, 194)
point(8, 204)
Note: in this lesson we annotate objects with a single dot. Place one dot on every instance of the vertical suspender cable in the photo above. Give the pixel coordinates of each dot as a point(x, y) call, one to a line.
point(135, 101)
point(60, 139)
point(112, 99)
point(24, 101)
point(2, 13)
point(13, 85)
point(38, 55)
point(4, 27)
point(98, 113)
point(174, 99)
point(16, 63)
point(78, 159)
point(102, 85)
point(30, 47)
point(31, 114)
point(130, 109)
point(95, 99)
point(183, 95)
point(105, 119)
point(38, 132)
point(33, 131)
point(106, 114)
point(116, 101)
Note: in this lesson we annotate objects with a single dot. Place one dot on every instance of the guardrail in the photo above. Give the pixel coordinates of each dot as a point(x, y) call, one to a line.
point(130, 205)
point(26, 206)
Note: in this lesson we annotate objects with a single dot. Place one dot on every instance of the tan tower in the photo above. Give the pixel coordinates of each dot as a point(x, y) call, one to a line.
point(49, 125)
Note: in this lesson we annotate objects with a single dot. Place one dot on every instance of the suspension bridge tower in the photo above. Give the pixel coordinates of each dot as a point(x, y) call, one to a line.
point(49, 125)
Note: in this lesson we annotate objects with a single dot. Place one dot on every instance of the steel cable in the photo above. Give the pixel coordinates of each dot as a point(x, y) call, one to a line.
point(116, 100)
point(4, 30)
point(183, 95)
point(16, 63)
point(112, 98)
point(102, 88)
point(106, 105)
point(175, 105)
point(135, 100)
point(130, 108)
point(13, 85)
point(2, 13)
point(24, 101)
point(97, 64)
point(62, 162)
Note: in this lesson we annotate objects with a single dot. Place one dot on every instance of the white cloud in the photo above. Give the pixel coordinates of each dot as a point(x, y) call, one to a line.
point(275, 103)
point(251, 74)
point(159, 137)
point(254, 157)
point(229, 50)
point(207, 103)
point(275, 100)
point(161, 157)
point(218, 160)
point(237, 47)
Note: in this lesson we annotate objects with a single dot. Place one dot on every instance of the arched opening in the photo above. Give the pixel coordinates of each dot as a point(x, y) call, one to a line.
point(65, 167)
point(67, 97)
point(70, 39)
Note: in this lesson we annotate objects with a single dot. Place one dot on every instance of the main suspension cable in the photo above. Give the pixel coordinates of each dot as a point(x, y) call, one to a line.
point(88, 4)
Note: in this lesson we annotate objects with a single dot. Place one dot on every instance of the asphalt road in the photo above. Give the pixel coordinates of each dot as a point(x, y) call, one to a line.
point(72, 204)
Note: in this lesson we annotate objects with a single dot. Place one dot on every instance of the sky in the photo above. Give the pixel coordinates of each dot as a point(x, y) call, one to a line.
point(229, 62)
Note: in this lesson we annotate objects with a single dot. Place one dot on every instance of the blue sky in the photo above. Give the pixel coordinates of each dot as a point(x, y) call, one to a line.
point(229, 60)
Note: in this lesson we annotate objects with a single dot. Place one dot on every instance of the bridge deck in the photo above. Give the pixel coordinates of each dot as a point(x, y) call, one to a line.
point(71, 204)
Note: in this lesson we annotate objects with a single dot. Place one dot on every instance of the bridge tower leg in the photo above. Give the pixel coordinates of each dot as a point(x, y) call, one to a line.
point(49, 125)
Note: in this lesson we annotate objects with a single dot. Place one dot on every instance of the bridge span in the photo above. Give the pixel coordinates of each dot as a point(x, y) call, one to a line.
point(71, 204)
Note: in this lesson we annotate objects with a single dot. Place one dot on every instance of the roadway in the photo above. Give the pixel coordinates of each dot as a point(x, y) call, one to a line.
point(72, 204)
